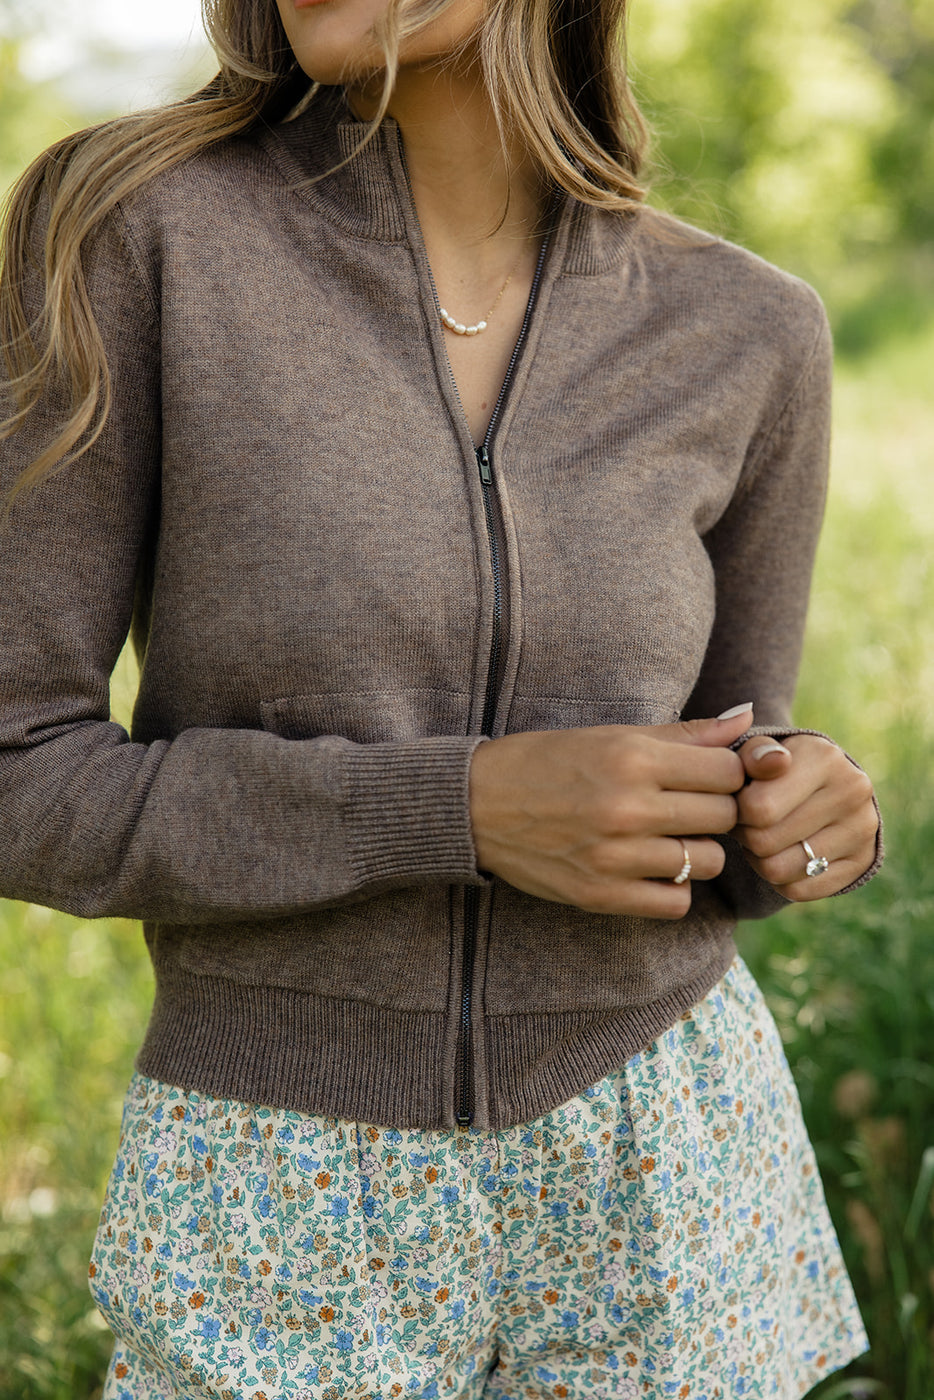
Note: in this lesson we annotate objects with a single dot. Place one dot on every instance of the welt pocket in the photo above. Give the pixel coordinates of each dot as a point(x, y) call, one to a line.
point(369, 717)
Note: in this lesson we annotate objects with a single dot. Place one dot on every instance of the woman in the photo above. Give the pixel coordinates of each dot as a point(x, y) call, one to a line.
point(463, 512)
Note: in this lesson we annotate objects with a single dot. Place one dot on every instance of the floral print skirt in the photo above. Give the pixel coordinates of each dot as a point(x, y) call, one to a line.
point(664, 1234)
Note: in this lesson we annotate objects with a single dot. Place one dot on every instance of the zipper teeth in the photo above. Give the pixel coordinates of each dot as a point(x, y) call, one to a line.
point(517, 348)
point(489, 701)
point(464, 1114)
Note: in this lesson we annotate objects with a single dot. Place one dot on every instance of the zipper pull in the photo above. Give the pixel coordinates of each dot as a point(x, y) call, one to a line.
point(483, 462)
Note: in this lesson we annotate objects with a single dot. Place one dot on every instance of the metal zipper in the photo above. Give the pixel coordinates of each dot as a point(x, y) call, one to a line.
point(495, 534)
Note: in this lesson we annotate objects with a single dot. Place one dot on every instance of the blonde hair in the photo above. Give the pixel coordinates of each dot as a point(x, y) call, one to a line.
point(557, 75)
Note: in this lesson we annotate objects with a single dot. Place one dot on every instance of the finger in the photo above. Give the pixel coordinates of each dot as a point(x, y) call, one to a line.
point(816, 812)
point(680, 768)
point(789, 863)
point(771, 816)
point(848, 848)
point(770, 803)
point(719, 731)
point(765, 759)
point(689, 813)
point(667, 859)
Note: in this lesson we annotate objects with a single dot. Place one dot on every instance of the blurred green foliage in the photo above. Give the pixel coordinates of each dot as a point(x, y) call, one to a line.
point(32, 116)
point(804, 130)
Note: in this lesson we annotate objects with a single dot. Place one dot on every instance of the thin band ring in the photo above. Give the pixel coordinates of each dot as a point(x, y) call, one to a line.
point(816, 864)
point(685, 870)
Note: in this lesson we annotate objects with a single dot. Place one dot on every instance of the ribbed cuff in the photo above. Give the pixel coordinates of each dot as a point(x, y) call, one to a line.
point(407, 811)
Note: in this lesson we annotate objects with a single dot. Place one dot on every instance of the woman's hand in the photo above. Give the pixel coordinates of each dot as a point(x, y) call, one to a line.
point(600, 818)
point(805, 790)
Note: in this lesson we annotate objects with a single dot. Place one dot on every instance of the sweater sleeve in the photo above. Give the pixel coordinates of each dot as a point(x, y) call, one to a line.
point(762, 550)
point(213, 824)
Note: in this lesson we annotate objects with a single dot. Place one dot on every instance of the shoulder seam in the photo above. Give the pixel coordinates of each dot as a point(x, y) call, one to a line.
point(749, 470)
point(128, 238)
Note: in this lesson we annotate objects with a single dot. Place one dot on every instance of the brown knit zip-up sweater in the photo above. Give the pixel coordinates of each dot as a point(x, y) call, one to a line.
point(287, 506)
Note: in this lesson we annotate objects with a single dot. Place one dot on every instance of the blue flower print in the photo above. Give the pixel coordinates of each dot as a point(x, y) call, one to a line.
point(641, 1187)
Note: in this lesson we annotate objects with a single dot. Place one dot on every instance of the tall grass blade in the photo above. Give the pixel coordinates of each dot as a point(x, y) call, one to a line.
point(856, 1389)
point(921, 1195)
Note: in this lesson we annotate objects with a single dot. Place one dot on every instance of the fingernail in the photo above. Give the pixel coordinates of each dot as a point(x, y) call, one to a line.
point(773, 746)
point(737, 710)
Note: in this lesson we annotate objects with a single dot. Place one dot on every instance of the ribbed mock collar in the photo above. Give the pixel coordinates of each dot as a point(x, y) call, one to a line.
point(362, 189)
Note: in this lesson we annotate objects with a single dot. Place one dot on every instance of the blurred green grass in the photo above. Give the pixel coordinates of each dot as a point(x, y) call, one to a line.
point(850, 981)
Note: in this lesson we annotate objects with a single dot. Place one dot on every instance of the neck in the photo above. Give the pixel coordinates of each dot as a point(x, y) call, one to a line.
point(469, 189)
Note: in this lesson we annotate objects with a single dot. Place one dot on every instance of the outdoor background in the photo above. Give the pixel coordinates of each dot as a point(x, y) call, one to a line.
point(801, 128)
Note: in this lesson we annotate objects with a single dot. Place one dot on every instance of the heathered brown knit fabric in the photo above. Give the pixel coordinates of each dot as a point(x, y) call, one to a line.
point(286, 505)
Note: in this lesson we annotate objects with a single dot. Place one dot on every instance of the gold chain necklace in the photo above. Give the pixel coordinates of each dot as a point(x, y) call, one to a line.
point(452, 324)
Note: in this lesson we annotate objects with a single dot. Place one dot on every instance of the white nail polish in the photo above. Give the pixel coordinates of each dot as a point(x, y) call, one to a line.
point(773, 746)
point(737, 710)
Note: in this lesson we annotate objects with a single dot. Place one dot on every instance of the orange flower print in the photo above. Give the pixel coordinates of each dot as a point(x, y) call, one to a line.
point(571, 1156)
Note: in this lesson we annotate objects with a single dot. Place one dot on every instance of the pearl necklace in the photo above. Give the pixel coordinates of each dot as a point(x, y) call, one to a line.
point(452, 324)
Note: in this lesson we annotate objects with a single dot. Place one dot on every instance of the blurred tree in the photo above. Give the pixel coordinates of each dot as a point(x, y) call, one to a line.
point(801, 128)
point(899, 36)
point(32, 115)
